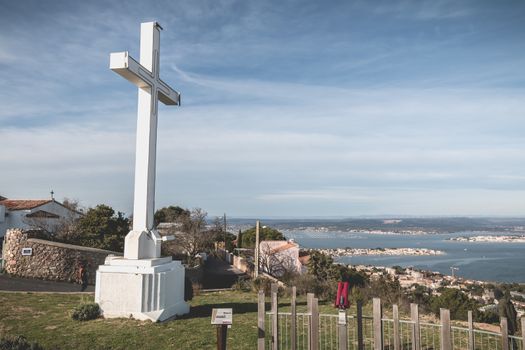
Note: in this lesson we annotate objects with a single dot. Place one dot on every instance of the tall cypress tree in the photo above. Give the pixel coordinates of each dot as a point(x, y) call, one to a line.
point(506, 309)
point(239, 239)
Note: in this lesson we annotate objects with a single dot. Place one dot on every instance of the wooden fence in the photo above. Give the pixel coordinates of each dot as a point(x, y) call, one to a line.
point(312, 330)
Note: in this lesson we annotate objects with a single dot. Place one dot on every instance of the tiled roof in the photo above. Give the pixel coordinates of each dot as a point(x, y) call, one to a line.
point(279, 246)
point(23, 204)
point(285, 247)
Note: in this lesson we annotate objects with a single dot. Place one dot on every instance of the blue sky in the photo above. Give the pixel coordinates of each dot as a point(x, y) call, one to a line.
point(290, 108)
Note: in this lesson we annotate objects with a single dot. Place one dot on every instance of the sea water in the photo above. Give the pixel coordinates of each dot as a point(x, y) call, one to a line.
point(485, 261)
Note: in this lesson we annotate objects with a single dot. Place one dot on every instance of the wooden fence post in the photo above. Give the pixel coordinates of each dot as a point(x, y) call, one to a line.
point(523, 332)
point(309, 301)
point(343, 331)
point(275, 317)
point(293, 333)
point(504, 333)
point(315, 324)
point(470, 331)
point(222, 336)
point(397, 338)
point(446, 339)
point(416, 334)
point(360, 340)
point(261, 310)
point(378, 324)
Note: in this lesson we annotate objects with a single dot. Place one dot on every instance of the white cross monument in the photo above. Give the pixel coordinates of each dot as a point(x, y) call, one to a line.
point(142, 284)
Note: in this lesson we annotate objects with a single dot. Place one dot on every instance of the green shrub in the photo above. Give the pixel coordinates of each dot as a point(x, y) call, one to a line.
point(262, 283)
point(86, 312)
point(304, 284)
point(243, 285)
point(265, 284)
point(18, 343)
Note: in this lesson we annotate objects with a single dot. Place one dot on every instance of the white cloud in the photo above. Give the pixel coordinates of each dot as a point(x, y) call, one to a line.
point(348, 123)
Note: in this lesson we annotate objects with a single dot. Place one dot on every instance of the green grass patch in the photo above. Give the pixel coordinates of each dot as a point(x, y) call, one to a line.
point(46, 319)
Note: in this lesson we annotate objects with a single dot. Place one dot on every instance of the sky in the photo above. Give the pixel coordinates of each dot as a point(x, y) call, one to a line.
point(289, 108)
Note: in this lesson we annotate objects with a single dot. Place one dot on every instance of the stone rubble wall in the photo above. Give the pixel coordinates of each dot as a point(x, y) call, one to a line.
point(50, 260)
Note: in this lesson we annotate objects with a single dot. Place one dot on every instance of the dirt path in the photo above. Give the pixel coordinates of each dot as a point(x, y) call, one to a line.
point(219, 274)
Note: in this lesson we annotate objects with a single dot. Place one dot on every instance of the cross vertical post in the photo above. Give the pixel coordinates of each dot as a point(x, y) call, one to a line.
point(143, 242)
point(142, 284)
point(146, 143)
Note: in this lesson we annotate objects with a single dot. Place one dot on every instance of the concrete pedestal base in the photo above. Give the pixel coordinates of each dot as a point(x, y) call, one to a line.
point(144, 289)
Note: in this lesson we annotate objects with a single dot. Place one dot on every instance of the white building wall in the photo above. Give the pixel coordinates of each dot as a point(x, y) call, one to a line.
point(18, 219)
point(290, 254)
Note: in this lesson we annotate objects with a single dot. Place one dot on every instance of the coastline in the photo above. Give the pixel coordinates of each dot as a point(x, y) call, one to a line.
point(490, 239)
point(341, 252)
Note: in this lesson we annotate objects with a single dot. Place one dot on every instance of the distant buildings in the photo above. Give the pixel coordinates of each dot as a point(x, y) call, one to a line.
point(409, 278)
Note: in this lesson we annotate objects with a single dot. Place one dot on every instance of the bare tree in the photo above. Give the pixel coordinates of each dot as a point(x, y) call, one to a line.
point(192, 237)
point(274, 262)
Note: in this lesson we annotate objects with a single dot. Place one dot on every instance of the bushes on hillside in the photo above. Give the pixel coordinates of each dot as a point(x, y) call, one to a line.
point(323, 276)
point(262, 283)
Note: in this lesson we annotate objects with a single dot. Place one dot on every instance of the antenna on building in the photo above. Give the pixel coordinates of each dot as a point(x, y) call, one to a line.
point(52, 195)
point(453, 268)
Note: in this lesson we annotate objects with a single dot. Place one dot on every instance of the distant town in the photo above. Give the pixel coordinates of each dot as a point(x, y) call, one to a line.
point(480, 291)
point(499, 239)
point(339, 252)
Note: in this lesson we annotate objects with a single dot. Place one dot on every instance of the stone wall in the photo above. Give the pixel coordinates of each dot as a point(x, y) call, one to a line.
point(49, 260)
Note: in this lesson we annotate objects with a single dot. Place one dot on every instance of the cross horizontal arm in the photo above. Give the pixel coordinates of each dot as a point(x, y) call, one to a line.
point(127, 67)
point(167, 95)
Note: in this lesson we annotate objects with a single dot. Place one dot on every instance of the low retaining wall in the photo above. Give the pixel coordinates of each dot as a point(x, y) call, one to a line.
point(239, 262)
point(49, 260)
point(243, 264)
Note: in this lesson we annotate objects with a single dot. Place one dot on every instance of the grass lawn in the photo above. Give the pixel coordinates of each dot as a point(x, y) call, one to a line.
point(45, 318)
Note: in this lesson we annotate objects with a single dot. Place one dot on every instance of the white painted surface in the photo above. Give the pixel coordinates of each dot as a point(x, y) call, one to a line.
point(272, 251)
point(153, 292)
point(142, 285)
point(18, 219)
point(142, 242)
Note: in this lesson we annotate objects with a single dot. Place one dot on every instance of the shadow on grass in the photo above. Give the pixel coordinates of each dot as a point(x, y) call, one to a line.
point(200, 311)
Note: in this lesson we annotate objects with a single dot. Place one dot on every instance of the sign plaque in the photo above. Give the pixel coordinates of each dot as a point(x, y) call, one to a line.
point(341, 320)
point(27, 251)
point(222, 316)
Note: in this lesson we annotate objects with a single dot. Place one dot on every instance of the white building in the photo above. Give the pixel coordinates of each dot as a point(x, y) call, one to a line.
point(278, 257)
point(29, 213)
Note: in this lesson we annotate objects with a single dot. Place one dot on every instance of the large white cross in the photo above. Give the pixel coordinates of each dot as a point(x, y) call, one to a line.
point(143, 242)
